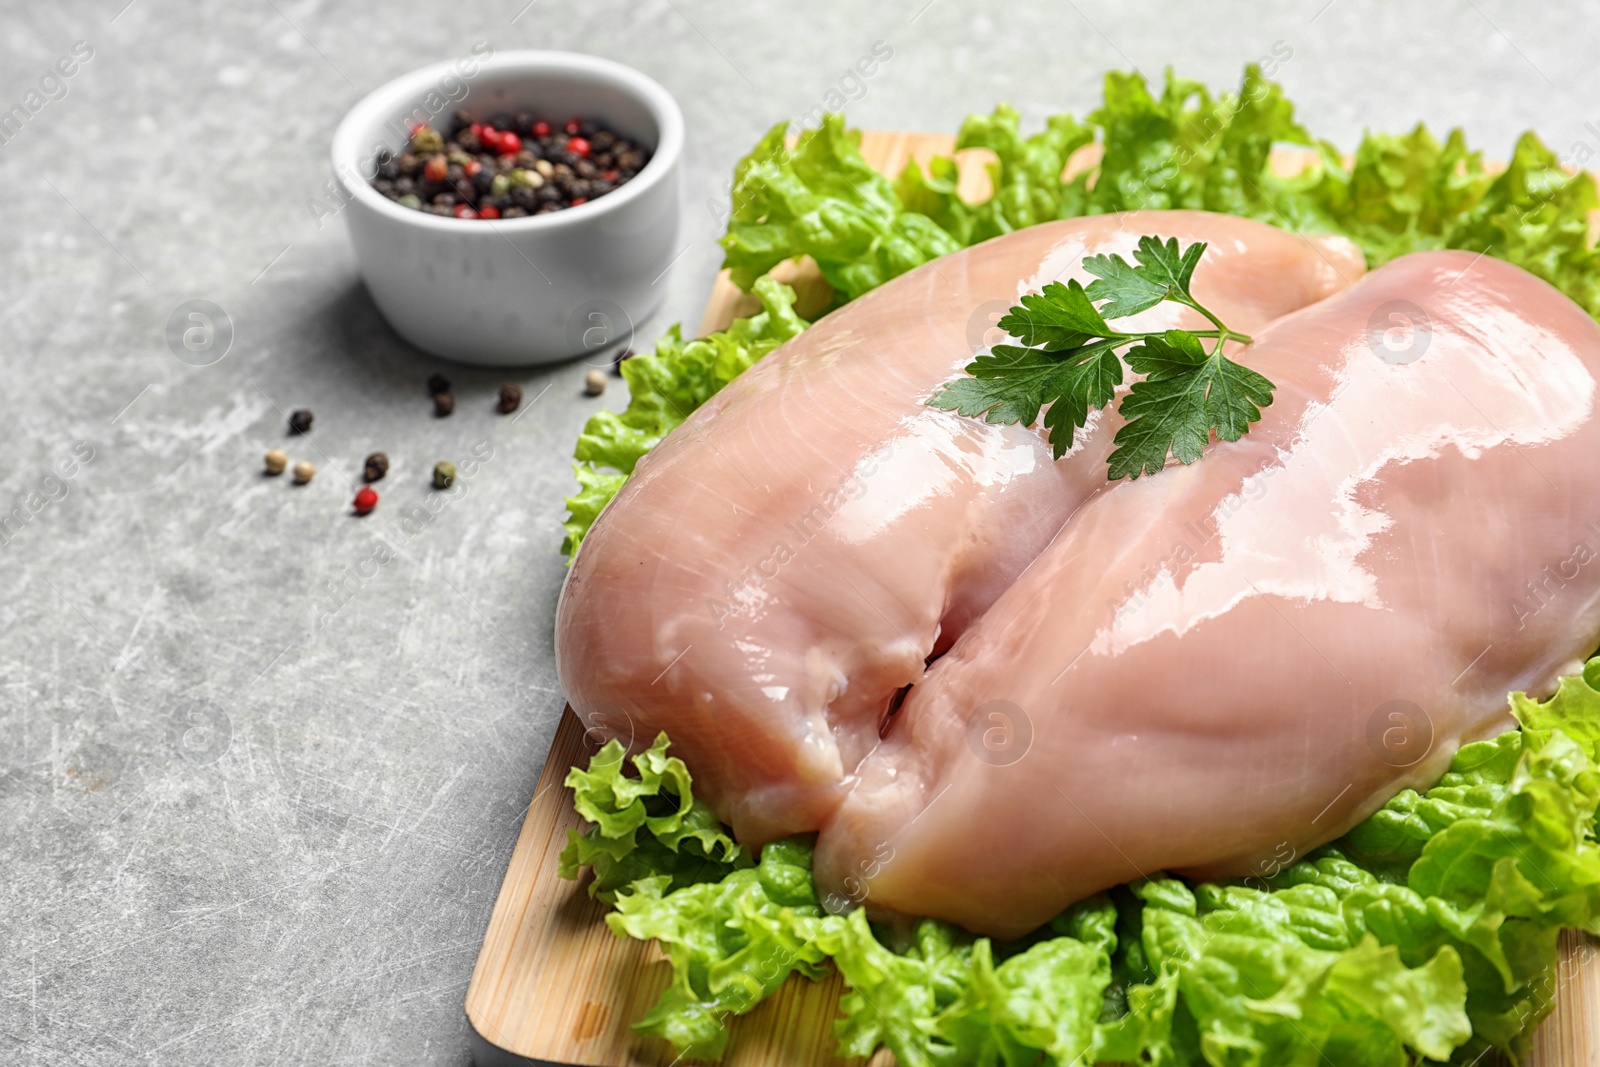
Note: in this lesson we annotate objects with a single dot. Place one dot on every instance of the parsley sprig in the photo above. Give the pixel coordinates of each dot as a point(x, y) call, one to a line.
point(1069, 361)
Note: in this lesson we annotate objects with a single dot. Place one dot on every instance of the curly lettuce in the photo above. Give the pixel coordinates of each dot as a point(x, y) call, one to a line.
point(664, 387)
point(645, 826)
point(1430, 931)
point(1181, 147)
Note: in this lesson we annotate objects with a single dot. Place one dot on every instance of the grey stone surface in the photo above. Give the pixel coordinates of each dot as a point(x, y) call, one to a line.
point(243, 821)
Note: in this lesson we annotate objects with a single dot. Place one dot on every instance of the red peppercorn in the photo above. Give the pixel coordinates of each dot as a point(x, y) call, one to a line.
point(488, 211)
point(578, 146)
point(571, 127)
point(541, 128)
point(462, 211)
point(508, 144)
point(437, 169)
point(471, 168)
point(415, 126)
point(366, 499)
point(490, 138)
point(579, 200)
point(608, 175)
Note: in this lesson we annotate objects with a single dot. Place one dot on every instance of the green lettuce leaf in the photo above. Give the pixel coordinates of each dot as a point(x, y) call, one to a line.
point(1430, 931)
point(664, 387)
point(822, 199)
point(731, 943)
point(647, 825)
point(1026, 177)
point(1181, 147)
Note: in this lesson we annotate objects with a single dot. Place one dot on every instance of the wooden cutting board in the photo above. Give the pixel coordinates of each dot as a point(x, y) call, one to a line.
point(553, 986)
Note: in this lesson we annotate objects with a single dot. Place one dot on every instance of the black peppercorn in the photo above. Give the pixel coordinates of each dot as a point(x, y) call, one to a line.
point(300, 421)
point(510, 397)
point(438, 383)
point(443, 404)
point(376, 466)
point(622, 354)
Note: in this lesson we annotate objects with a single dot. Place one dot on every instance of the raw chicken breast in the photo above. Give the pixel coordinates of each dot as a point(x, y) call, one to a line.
point(1218, 668)
point(789, 558)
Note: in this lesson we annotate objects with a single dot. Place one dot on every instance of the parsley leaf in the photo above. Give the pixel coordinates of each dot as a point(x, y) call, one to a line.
point(1185, 395)
point(1068, 363)
point(1061, 318)
point(1012, 384)
point(1163, 273)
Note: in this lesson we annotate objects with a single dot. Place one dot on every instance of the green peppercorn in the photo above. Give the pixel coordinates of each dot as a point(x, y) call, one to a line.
point(444, 474)
point(426, 139)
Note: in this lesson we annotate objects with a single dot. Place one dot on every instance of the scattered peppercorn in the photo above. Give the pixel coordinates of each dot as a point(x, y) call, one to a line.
point(443, 404)
point(303, 472)
point(444, 474)
point(594, 383)
point(510, 397)
point(376, 466)
point(438, 383)
point(300, 421)
point(509, 167)
point(366, 499)
point(622, 354)
point(276, 461)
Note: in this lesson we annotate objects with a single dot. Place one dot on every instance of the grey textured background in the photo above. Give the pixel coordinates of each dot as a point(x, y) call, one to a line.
point(304, 876)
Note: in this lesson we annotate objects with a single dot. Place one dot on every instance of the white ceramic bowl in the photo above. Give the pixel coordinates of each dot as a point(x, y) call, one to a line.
point(515, 292)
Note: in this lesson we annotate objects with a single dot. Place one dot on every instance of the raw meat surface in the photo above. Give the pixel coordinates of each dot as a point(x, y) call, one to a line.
point(789, 558)
point(1217, 668)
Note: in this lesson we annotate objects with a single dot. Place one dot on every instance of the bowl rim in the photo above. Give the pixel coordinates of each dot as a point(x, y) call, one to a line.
point(346, 151)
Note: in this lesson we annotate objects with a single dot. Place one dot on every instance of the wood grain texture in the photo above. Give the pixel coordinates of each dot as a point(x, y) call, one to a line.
point(552, 985)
